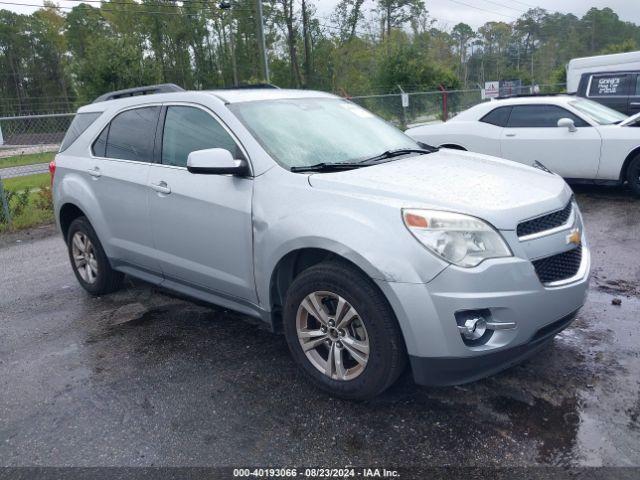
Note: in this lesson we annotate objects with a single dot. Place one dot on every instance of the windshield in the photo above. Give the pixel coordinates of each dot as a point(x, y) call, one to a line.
point(308, 131)
point(598, 112)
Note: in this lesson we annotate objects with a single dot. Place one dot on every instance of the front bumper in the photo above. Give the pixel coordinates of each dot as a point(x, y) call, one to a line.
point(455, 371)
point(509, 288)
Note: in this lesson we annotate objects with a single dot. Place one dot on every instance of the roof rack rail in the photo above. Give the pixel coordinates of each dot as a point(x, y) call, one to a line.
point(242, 86)
point(132, 92)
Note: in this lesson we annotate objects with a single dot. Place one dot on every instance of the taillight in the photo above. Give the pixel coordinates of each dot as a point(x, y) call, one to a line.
point(52, 170)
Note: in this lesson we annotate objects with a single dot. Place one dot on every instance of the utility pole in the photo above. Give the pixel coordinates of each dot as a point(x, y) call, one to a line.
point(307, 45)
point(225, 5)
point(263, 45)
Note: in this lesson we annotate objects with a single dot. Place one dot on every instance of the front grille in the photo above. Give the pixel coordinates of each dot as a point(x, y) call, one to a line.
point(545, 222)
point(559, 267)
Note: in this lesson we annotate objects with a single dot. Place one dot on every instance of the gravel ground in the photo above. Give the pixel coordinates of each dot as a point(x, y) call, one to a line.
point(142, 378)
point(21, 171)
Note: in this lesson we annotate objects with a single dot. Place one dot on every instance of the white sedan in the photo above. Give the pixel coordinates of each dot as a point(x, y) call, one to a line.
point(574, 137)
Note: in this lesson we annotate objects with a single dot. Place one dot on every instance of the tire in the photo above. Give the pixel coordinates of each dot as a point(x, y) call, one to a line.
point(633, 175)
point(374, 325)
point(96, 275)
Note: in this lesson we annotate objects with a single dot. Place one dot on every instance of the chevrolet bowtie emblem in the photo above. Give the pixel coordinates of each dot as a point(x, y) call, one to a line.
point(574, 237)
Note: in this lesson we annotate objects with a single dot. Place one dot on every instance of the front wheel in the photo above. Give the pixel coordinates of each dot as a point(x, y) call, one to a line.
point(633, 175)
point(342, 332)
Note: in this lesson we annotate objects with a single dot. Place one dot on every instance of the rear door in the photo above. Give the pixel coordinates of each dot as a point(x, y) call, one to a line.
point(611, 89)
point(634, 96)
point(119, 169)
point(201, 224)
point(532, 134)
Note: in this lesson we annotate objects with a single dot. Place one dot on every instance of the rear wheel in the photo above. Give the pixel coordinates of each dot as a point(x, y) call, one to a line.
point(89, 261)
point(633, 175)
point(342, 332)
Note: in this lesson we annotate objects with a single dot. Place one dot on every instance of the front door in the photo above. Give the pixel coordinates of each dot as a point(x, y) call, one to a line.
point(201, 224)
point(532, 134)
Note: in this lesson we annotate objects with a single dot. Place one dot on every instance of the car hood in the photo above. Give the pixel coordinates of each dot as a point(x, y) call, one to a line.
point(499, 191)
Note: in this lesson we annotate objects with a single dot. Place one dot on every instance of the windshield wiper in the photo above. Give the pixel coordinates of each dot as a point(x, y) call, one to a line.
point(396, 153)
point(338, 166)
point(327, 167)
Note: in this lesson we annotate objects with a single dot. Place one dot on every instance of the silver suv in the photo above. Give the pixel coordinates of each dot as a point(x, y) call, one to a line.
point(364, 247)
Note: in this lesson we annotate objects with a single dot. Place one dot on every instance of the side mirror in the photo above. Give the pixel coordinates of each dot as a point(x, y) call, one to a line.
point(216, 161)
point(567, 123)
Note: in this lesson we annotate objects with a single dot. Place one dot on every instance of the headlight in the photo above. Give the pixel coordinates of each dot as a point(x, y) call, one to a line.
point(459, 239)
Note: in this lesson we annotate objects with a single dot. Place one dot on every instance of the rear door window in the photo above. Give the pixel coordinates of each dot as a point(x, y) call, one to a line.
point(187, 129)
point(541, 116)
point(498, 117)
point(80, 123)
point(130, 135)
point(611, 85)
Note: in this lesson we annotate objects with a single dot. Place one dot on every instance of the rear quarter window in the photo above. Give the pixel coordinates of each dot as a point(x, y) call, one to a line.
point(498, 116)
point(80, 123)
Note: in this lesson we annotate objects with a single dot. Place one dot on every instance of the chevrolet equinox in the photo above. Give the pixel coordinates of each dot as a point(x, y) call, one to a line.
point(367, 249)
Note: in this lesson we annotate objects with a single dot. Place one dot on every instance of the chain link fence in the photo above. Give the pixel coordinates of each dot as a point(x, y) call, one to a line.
point(12, 106)
point(419, 107)
point(33, 132)
point(431, 107)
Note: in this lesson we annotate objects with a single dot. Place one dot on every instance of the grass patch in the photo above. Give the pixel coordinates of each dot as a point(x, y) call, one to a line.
point(27, 159)
point(17, 184)
point(38, 209)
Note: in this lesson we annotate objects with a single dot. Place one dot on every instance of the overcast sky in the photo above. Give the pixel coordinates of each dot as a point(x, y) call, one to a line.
point(450, 12)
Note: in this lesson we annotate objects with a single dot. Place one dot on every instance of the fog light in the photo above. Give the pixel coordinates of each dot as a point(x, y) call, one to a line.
point(473, 326)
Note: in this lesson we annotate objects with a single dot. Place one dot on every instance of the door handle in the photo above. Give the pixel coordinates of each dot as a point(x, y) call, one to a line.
point(635, 104)
point(161, 187)
point(94, 172)
point(509, 134)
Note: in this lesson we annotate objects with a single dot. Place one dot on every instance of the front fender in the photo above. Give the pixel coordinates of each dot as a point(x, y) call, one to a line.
point(372, 237)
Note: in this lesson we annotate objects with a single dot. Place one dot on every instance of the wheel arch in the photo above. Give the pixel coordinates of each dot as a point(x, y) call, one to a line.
point(294, 263)
point(623, 171)
point(67, 214)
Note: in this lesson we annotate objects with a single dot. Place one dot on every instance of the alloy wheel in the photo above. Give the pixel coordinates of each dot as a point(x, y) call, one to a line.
point(84, 257)
point(332, 335)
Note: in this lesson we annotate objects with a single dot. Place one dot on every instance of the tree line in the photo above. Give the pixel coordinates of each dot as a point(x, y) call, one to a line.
point(57, 58)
